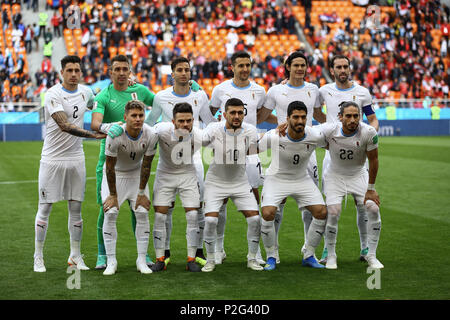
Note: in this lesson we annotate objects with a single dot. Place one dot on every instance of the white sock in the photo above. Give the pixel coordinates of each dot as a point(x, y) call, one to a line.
point(192, 232)
point(268, 237)
point(142, 232)
point(307, 218)
point(221, 227)
point(315, 233)
point(374, 226)
point(110, 233)
point(362, 220)
point(277, 221)
point(159, 233)
point(253, 235)
point(40, 227)
point(75, 226)
point(201, 227)
point(168, 224)
point(210, 237)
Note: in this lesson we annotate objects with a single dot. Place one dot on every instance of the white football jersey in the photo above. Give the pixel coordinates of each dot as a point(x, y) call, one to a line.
point(290, 157)
point(59, 145)
point(175, 155)
point(252, 95)
point(230, 150)
point(165, 100)
point(281, 95)
point(130, 151)
point(348, 153)
point(332, 96)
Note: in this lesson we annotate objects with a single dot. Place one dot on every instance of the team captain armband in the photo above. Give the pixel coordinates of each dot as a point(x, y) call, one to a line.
point(368, 110)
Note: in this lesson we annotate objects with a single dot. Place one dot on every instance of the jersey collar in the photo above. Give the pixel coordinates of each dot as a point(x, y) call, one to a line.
point(349, 135)
point(134, 139)
point(348, 89)
point(295, 140)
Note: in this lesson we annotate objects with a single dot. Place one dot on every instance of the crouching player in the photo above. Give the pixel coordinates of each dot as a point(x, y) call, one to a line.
point(288, 175)
point(128, 163)
point(351, 142)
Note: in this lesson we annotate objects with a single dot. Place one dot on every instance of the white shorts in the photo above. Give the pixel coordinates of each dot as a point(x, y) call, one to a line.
point(166, 187)
point(304, 191)
point(313, 170)
point(336, 187)
point(61, 180)
point(127, 189)
point(253, 170)
point(200, 172)
point(241, 195)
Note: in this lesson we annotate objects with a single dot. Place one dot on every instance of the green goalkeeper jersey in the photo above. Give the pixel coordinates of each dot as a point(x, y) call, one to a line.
point(111, 102)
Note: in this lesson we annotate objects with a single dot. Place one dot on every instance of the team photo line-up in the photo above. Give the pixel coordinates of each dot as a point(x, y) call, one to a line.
point(190, 135)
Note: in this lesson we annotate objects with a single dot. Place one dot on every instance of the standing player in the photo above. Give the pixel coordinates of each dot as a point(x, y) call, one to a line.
point(278, 98)
point(178, 140)
point(351, 142)
point(108, 111)
point(253, 96)
point(288, 175)
point(332, 95)
point(62, 172)
point(226, 178)
point(127, 169)
point(163, 105)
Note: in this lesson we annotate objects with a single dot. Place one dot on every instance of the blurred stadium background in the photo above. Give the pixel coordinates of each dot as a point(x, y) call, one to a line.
point(398, 49)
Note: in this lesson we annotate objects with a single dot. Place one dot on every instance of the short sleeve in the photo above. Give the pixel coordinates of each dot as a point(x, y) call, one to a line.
point(99, 103)
point(372, 142)
point(265, 142)
point(111, 147)
point(261, 99)
point(215, 97)
point(152, 142)
point(148, 96)
point(53, 103)
point(269, 101)
point(317, 102)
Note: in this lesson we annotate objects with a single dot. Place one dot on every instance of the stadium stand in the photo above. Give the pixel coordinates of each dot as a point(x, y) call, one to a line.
point(14, 78)
point(405, 56)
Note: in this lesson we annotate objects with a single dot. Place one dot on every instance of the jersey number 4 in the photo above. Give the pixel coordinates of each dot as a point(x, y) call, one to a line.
point(346, 154)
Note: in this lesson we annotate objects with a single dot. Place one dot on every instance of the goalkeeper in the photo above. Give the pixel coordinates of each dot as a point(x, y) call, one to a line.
point(108, 111)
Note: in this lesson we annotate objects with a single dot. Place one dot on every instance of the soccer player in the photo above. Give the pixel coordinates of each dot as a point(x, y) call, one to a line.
point(278, 98)
point(108, 111)
point(163, 105)
point(226, 178)
point(332, 94)
point(127, 169)
point(178, 140)
point(62, 172)
point(253, 96)
point(351, 142)
point(288, 175)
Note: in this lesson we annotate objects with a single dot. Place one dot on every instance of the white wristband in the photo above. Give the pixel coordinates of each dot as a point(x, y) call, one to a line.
point(141, 192)
point(371, 187)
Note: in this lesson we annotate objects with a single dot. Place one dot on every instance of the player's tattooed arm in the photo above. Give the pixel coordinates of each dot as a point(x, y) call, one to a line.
point(145, 171)
point(111, 200)
point(265, 114)
point(111, 174)
point(60, 118)
point(213, 110)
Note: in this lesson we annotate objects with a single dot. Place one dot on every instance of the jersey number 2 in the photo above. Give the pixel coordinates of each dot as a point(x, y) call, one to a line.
point(75, 110)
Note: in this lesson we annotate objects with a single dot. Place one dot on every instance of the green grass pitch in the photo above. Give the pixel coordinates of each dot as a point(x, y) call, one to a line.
point(414, 187)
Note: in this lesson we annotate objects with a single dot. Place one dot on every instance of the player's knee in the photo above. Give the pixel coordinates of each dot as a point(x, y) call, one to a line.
point(320, 213)
point(268, 213)
point(111, 214)
point(373, 211)
point(141, 214)
point(211, 221)
point(160, 220)
point(44, 210)
point(192, 218)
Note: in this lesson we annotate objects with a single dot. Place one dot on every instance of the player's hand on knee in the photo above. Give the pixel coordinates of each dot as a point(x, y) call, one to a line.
point(372, 195)
point(281, 129)
point(142, 201)
point(110, 202)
